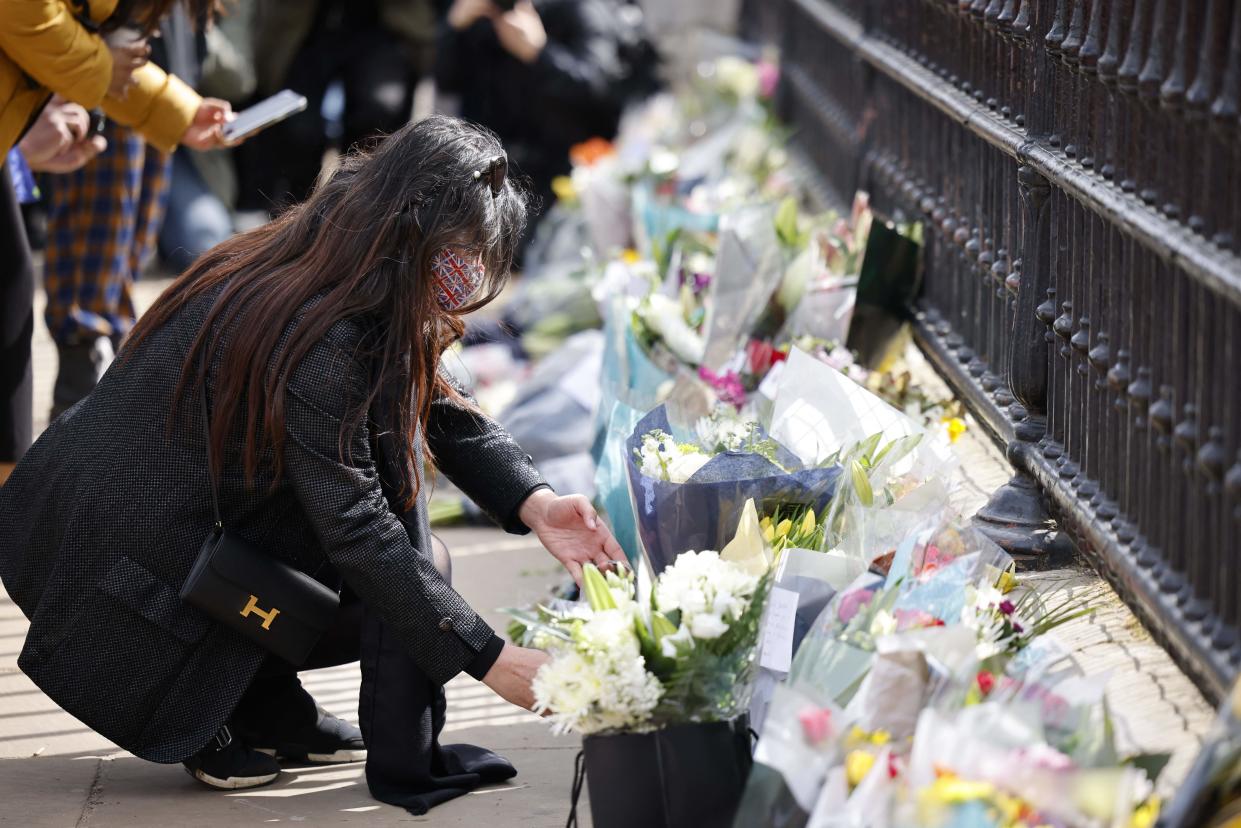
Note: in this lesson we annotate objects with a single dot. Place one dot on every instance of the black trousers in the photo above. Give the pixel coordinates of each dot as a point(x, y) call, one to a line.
point(16, 327)
point(280, 166)
point(401, 711)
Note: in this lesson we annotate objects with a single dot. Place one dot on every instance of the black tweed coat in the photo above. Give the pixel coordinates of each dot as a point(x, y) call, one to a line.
point(103, 518)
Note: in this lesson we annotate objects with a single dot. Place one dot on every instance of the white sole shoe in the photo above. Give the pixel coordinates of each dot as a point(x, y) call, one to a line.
point(233, 782)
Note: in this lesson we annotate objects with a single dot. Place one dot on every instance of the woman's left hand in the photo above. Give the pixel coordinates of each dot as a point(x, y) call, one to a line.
point(571, 530)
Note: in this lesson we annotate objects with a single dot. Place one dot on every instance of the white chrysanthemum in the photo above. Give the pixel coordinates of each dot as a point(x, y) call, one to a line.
point(710, 593)
point(599, 682)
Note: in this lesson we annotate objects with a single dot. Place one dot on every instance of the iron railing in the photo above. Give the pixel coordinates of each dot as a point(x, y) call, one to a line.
point(1077, 167)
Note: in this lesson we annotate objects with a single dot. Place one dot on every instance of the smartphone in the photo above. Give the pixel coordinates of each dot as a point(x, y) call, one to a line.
point(263, 114)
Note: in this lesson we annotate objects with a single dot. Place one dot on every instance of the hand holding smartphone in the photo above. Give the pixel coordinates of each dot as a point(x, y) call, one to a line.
point(263, 114)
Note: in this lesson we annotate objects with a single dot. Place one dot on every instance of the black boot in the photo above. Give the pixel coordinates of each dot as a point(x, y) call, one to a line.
point(228, 764)
point(278, 717)
point(82, 364)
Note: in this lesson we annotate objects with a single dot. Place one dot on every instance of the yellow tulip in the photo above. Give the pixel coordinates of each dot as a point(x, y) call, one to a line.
point(769, 534)
point(807, 523)
point(857, 764)
point(783, 527)
point(765, 522)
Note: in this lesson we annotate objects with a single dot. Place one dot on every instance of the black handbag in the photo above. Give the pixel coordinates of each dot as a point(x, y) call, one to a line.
point(280, 608)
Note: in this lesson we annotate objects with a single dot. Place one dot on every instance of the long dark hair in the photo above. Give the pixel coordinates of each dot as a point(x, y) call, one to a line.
point(362, 244)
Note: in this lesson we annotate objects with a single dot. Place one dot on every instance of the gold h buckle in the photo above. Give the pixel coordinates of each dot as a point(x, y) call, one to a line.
point(253, 607)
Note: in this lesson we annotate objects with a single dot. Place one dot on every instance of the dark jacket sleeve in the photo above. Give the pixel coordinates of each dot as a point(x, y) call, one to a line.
point(363, 539)
point(483, 461)
point(585, 69)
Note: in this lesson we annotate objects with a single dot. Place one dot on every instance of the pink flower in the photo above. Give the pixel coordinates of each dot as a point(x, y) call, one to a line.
point(816, 724)
point(914, 619)
point(1007, 607)
point(986, 681)
point(728, 386)
point(768, 78)
point(851, 602)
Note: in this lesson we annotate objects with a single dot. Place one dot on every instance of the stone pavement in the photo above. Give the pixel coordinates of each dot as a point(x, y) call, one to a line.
point(55, 772)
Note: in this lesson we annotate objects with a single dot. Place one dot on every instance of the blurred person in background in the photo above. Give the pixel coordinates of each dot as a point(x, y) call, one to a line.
point(74, 49)
point(202, 190)
point(376, 49)
point(544, 75)
point(60, 141)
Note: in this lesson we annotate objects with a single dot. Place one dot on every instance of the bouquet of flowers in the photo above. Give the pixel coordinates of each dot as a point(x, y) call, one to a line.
point(619, 664)
point(689, 494)
point(665, 675)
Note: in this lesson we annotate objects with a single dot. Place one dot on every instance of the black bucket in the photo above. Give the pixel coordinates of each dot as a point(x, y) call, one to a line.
point(684, 776)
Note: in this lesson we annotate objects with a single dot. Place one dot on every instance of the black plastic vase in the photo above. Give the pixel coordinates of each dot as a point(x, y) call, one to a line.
point(684, 776)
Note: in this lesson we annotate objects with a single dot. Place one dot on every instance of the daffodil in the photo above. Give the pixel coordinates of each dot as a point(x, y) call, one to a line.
point(956, 427)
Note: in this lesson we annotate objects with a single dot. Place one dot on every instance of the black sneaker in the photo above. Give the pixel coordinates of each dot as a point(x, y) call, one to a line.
point(228, 764)
point(328, 741)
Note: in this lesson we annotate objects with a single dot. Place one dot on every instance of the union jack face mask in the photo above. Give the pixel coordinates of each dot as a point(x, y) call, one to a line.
point(456, 277)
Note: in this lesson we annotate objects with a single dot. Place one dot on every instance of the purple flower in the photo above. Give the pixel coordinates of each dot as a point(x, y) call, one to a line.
point(1017, 628)
point(700, 281)
point(1007, 607)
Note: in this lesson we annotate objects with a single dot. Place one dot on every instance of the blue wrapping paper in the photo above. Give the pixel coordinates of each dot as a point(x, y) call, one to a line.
point(702, 513)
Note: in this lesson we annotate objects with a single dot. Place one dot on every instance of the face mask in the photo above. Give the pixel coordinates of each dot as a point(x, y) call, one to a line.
point(456, 276)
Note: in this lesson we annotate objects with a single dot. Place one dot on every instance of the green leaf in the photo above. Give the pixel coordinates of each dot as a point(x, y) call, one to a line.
point(861, 484)
point(786, 223)
point(898, 448)
point(866, 449)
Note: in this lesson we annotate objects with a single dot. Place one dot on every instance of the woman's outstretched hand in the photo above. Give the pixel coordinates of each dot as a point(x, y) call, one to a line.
point(513, 673)
point(571, 530)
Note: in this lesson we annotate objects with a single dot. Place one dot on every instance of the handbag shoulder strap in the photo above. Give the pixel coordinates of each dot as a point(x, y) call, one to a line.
point(211, 479)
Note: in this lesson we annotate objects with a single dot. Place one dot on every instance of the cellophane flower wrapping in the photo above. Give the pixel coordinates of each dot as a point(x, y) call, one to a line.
point(749, 267)
point(701, 513)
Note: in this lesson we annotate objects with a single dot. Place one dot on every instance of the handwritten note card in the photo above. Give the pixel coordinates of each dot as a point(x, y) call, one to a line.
point(777, 653)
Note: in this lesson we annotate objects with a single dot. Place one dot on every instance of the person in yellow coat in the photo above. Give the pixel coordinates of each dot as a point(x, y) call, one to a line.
point(93, 54)
point(80, 51)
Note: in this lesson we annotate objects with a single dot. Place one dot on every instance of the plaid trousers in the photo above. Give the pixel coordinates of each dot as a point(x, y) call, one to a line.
point(102, 225)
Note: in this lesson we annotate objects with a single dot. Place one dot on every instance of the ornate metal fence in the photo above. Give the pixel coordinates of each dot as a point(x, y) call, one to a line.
point(1077, 164)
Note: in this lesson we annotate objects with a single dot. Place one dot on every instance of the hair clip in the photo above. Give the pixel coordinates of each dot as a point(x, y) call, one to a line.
point(496, 172)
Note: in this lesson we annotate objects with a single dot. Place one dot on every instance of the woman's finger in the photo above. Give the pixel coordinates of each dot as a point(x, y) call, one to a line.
point(612, 548)
point(575, 570)
point(583, 507)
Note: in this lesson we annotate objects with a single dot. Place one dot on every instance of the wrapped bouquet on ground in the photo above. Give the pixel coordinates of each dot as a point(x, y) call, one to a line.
point(658, 683)
point(689, 493)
